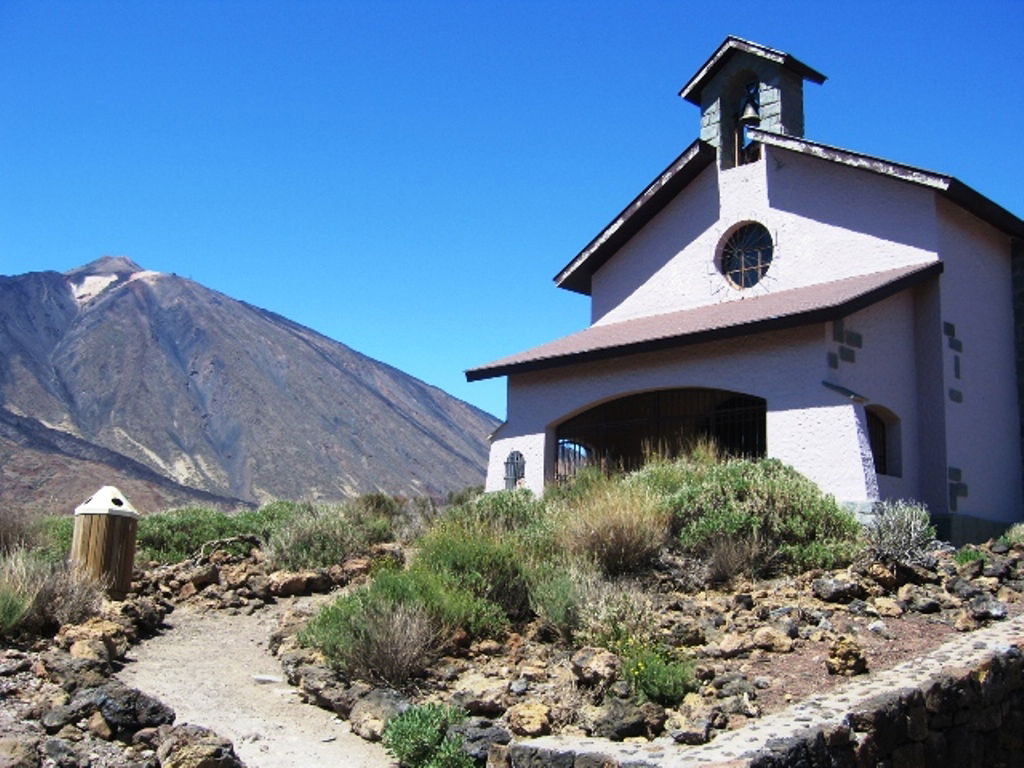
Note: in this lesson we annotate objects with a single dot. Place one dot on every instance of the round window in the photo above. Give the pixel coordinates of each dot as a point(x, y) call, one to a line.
point(747, 255)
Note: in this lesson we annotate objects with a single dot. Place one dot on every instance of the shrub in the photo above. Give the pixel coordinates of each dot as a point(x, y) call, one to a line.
point(170, 537)
point(616, 616)
point(321, 536)
point(654, 675)
point(619, 527)
point(475, 560)
point(392, 628)
point(37, 595)
point(416, 738)
point(1014, 534)
point(968, 554)
point(901, 532)
point(558, 594)
point(53, 536)
point(768, 504)
point(374, 638)
point(15, 531)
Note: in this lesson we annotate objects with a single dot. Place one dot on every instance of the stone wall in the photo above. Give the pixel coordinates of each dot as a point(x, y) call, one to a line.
point(960, 705)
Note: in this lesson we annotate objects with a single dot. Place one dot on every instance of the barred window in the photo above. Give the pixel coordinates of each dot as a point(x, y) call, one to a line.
point(746, 255)
point(515, 470)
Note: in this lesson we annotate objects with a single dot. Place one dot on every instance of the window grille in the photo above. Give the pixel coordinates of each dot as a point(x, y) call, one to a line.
point(515, 470)
point(747, 254)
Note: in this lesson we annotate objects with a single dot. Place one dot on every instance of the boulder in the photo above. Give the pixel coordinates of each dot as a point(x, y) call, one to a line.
point(887, 607)
point(619, 719)
point(595, 666)
point(19, 752)
point(530, 718)
point(846, 657)
point(772, 639)
point(479, 694)
point(478, 736)
point(126, 710)
point(371, 713)
point(192, 746)
point(837, 589)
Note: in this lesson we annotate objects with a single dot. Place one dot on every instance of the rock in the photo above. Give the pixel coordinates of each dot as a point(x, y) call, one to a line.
point(735, 645)
point(962, 588)
point(688, 632)
point(533, 672)
point(98, 726)
point(771, 639)
point(743, 601)
point(595, 666)
point(696, 731)
point(846, 658)
point(125, 709)
point(192, 746)
point(881, 575)
point(732, 684)
point(655, 717)
point(478, 735)
point(19, 752)
point(486, 648)
point(288, 583)
point(965, 622)
point(371, 713)
point(619, 719)
point(203, 576)
point(836, 589)
point(59, 716)
point(97, 638)
point(61, 753)
point(987, 608)
point(480, 695)
point(887, 607)
point(530, 718)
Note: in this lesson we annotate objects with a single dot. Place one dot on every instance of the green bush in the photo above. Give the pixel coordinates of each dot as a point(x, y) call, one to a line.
point(901, 532)
point(14, 605)
point(473, 559)
point(323, 535)
point(53, 536)
point(176, 535)
point(1014, 534)
point(968, 554)
point(392, 628)
point(654, 675)
point(416, 738)
point(769, 505)
point(558, 593)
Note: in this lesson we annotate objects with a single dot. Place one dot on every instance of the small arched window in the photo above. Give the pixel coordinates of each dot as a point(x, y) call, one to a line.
point(515, 470)
point(884, 437)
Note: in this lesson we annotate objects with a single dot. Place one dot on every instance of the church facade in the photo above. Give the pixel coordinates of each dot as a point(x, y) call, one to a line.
point(850, 316)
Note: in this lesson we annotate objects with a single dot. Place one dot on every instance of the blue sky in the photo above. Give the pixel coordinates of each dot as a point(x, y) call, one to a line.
point(407, 177)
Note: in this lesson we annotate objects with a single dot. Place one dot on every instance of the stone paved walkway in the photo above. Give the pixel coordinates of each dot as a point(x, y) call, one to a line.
point(965, 650)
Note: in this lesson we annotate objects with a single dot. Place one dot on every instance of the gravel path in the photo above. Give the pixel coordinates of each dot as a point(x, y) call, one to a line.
point(214, 670)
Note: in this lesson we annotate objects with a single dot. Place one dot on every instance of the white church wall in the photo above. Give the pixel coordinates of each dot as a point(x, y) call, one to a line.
point(982, 433)
point(812, 428)
point(827, 222)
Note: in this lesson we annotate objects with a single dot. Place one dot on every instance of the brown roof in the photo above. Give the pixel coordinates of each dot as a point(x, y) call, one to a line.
point(766, 312)
point(733, 45)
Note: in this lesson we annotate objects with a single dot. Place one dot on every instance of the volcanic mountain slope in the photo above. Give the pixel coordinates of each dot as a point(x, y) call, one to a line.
point(214, 394)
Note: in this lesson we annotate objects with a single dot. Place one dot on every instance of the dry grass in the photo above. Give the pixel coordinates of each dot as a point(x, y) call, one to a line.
point(620, 528)
point(38, 595)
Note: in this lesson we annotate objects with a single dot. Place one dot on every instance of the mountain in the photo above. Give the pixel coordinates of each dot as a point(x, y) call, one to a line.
point(150, 378)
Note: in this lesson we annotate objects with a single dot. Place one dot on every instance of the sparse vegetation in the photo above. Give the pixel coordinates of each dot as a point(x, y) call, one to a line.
point(968, 554)
point(1014, 535)
point(901, 532)
point(38, 595)
point(318, 536)
point(417, 738)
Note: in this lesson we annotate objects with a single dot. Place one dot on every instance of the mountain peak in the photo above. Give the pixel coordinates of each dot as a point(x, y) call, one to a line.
point(106, 265)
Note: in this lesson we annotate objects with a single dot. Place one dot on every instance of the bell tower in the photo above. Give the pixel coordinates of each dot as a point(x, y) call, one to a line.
point(745, 85)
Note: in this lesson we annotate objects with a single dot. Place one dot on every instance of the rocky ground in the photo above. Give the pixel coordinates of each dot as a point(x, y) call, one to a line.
point(756, 647)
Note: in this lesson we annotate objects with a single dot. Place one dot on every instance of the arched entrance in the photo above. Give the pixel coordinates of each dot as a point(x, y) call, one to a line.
point(621, 433)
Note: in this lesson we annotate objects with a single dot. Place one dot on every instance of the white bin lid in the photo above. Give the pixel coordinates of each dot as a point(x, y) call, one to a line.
point(107, 501)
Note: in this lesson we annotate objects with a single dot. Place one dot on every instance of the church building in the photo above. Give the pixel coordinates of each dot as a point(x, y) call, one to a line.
point(856, 318)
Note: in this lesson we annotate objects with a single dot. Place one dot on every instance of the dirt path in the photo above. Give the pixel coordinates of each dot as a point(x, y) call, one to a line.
point(214, 670)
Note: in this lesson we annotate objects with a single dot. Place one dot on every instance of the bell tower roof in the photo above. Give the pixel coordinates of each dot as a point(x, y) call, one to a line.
point(737, 45)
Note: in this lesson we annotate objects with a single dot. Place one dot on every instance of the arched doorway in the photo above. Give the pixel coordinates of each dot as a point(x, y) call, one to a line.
point(621, 433)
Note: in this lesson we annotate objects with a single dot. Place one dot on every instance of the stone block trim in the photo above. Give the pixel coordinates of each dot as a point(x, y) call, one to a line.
point(963, 703)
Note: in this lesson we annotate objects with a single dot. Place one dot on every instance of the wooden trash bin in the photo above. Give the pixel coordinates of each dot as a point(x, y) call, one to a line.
point(103, 545)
